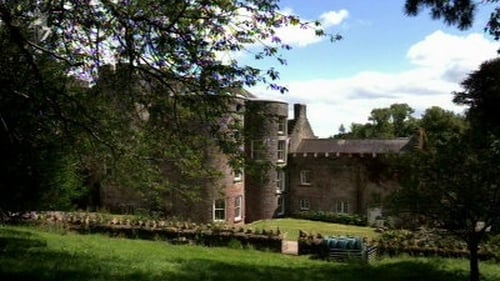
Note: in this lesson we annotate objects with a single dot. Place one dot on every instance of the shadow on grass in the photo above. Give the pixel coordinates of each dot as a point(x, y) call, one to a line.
point(15, 242)
point(407, 270)
point(25, 256)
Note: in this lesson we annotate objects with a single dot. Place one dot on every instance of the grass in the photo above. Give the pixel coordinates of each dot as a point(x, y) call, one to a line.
point(31, 254)
point(291, 227)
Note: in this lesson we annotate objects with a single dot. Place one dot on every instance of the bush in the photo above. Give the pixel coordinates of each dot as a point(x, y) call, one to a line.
point(425, 242)
point(331, 217)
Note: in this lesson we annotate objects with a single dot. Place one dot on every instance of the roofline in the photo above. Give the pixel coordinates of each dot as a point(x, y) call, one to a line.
point(266, 100)
point(334, 139)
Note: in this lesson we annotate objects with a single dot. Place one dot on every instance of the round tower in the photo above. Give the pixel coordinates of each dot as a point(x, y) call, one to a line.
point(266, 146)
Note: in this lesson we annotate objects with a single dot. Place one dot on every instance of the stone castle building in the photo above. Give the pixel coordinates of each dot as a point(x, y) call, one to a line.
point(290, 171)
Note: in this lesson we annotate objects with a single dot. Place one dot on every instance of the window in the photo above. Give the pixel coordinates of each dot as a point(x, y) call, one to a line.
point(281, 150)
point(305, 177)
point(258, 150)
point(342, 207)
point(282, 125)
point(304, 204)
point(220, 210)
point(237, 207)
point(237, 175)
point(280, 180)
point(281, 205)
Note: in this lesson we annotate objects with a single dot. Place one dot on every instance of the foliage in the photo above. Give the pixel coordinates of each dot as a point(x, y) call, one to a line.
point(390, 122)
point(40, 167)
point(439, 126)
point(418, 243)
point(331, 217)
point(457, 12)
point(167, 99)
point(435, 126)
point(481, 95)
point(454, 185)
point(428, 242)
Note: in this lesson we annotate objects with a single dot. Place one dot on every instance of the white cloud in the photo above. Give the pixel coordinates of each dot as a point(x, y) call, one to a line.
point(440, 62)
point(332, 18)
point(298, 36)
point(454, 56)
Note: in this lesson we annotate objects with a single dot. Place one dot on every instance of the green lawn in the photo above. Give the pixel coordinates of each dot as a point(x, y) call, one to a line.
point(29, 254)
point(291, 227)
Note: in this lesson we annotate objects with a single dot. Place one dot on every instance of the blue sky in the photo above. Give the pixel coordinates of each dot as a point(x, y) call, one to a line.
point(384, 57)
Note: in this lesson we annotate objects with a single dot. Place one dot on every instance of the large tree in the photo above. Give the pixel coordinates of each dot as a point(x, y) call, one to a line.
point(169, 57)
point(454, 185)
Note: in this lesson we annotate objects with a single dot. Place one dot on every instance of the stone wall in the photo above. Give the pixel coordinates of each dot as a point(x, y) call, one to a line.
point(334, 179)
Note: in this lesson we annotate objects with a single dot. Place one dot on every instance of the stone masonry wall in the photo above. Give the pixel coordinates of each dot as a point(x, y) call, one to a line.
point(334, 179)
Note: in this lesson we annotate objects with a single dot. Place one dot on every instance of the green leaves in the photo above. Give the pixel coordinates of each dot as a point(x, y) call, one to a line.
point(457, 12)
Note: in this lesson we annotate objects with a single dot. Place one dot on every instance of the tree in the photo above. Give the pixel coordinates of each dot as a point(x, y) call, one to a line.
point(388, 122)
point(168, 55)
point(457, 12)
point(381, 123)
point(440, 126)
point(482, 95)
point(454, 185)
point(39, 164)
point(402, 119)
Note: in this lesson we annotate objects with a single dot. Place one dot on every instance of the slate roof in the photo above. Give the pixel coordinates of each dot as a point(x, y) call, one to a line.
point(352, 146)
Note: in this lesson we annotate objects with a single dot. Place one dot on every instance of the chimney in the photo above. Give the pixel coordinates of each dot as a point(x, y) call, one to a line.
point(299, 110)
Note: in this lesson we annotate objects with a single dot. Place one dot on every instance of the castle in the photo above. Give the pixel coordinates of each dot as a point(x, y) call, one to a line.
point(295, 172)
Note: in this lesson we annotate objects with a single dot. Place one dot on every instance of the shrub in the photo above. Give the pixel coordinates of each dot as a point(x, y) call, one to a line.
point(331, 217)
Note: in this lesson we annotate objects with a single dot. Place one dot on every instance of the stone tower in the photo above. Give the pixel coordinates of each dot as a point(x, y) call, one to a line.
point(266, 146)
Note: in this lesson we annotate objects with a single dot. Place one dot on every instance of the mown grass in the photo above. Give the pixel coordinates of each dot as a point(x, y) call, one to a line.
point(30, 254)
point(290, 228)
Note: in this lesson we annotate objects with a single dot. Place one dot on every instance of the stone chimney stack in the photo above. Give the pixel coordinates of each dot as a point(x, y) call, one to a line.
point(299, 111)
point(300, 128)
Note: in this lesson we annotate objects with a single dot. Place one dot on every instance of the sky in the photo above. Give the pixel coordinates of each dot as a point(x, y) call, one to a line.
point(384, 58)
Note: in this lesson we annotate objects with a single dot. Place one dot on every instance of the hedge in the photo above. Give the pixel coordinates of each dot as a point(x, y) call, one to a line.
point(331, 217)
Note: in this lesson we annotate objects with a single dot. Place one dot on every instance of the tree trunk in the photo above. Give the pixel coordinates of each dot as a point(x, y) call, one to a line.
point(473, 244)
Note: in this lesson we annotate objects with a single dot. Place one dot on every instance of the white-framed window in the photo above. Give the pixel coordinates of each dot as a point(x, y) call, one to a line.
point(219, 210)
point(281, 151)
point(342, 207)
point(237, 175)
point(280, 180)
point(282, 125)
point(258, 150)
point(237, 207)
point(281, 205)
point(305, 177)
point(304, 204)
